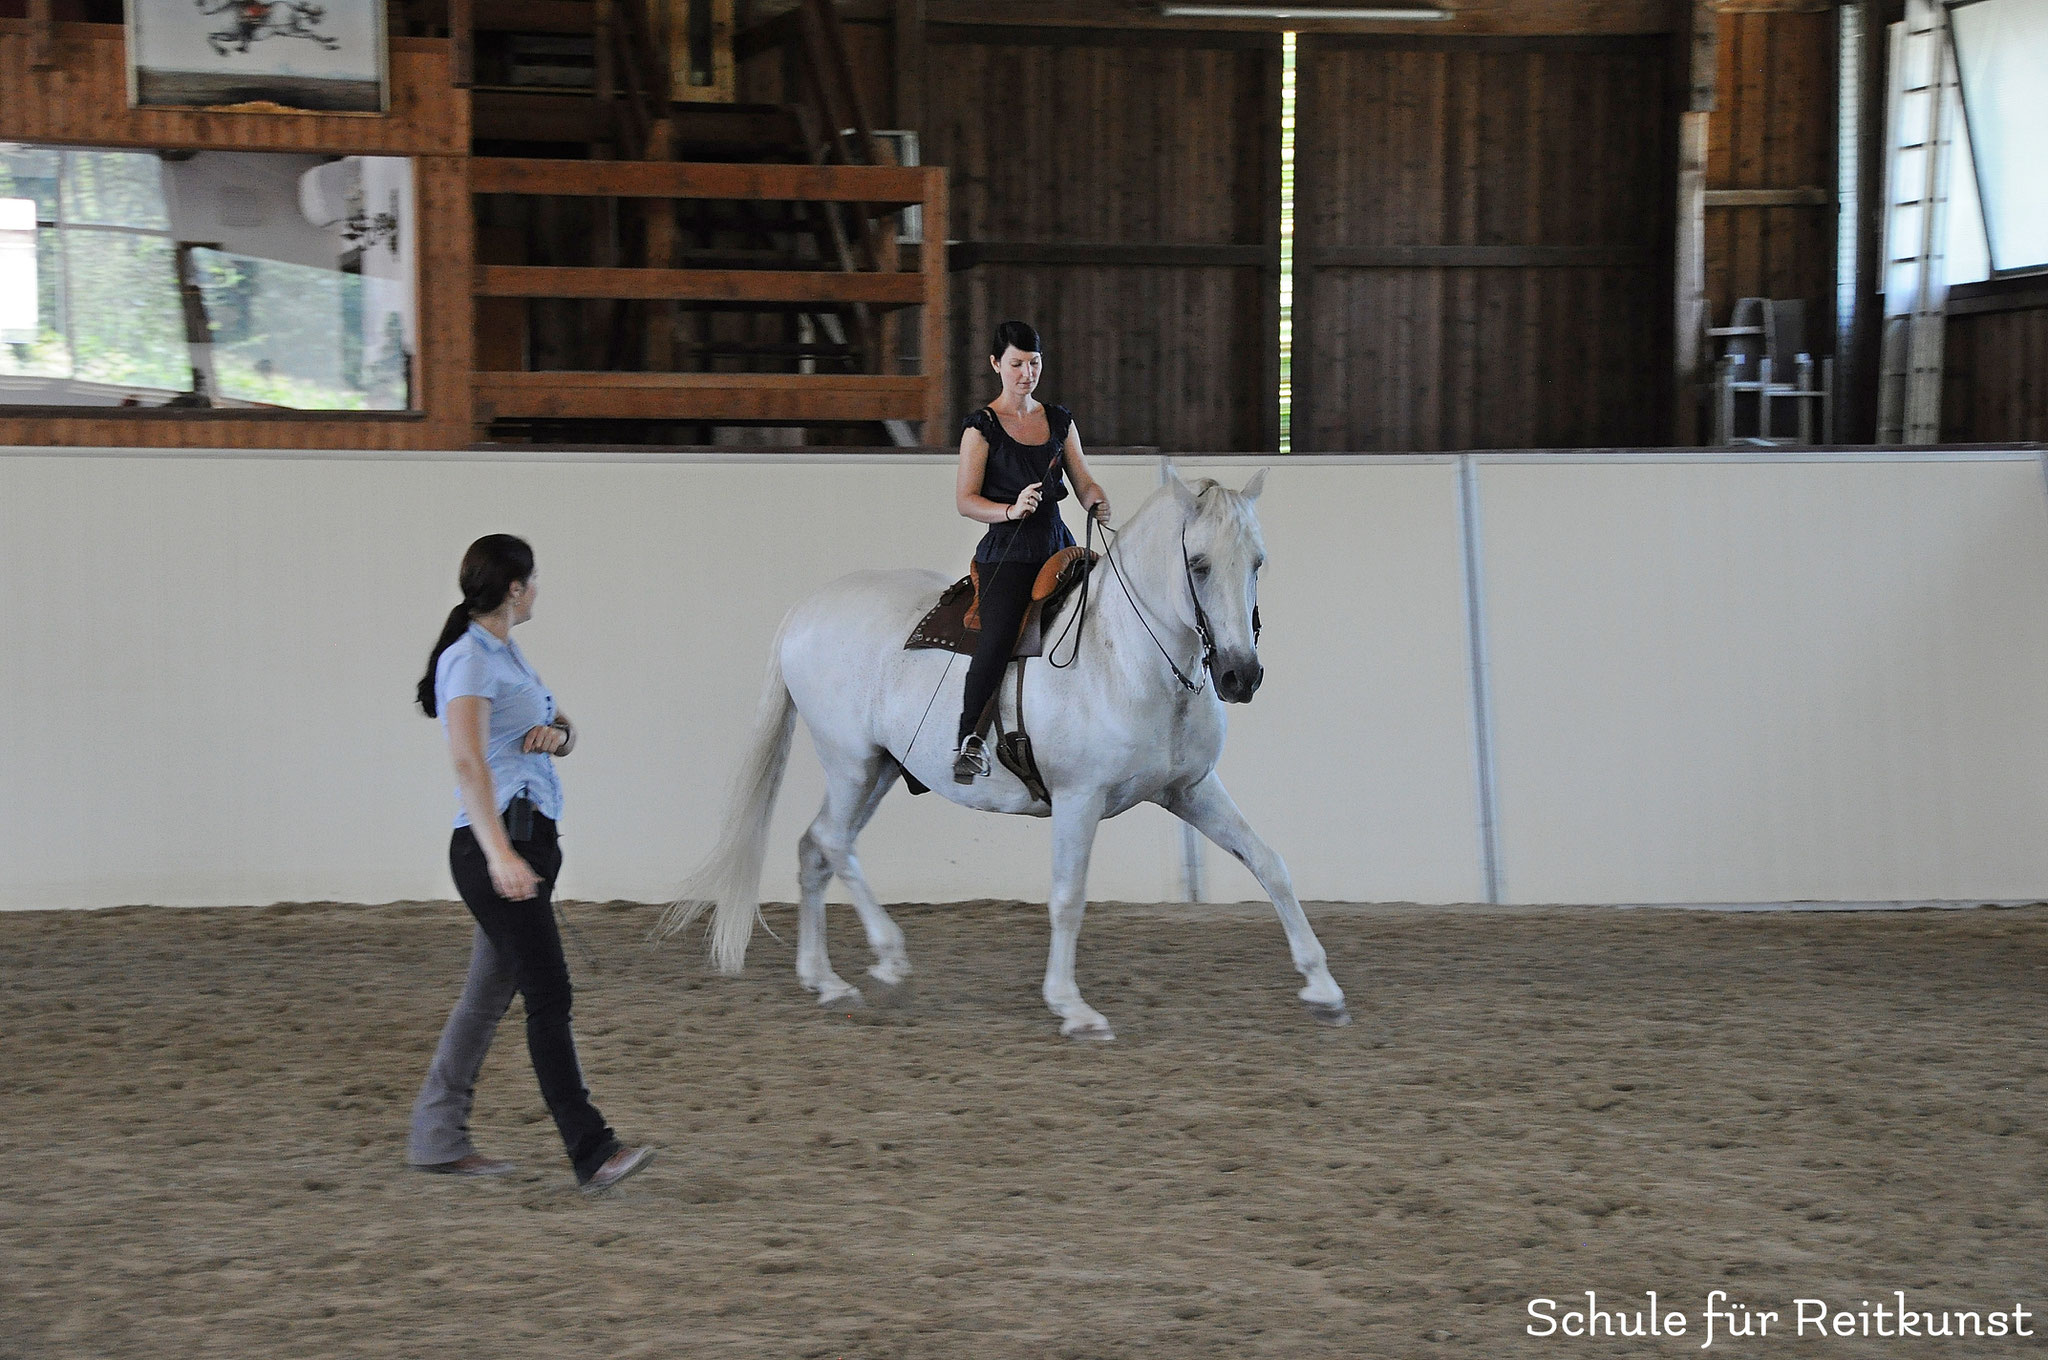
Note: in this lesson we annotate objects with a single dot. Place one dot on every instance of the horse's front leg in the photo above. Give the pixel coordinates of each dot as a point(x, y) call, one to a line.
point(1074, 819)
point(1207, 807)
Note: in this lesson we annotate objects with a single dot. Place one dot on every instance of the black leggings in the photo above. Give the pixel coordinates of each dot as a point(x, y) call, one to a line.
point(1005, 596)
point(524, 934)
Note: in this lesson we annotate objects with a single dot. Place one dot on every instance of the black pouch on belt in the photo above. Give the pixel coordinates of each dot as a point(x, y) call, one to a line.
point(519, 819)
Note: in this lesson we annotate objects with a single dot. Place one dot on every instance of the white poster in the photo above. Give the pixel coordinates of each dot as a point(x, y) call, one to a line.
point(324, 55)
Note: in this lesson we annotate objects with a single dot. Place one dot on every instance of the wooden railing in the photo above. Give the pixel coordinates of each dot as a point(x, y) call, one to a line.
point(793, 398)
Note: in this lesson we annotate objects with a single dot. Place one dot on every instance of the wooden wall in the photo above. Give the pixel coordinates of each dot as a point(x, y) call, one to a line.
point(83, 101)
point(1118, 189)
point(1771, 156)
point(1995, 363)
point(1483, 243)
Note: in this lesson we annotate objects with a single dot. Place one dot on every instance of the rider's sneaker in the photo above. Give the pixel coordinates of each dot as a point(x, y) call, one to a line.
point(971, 762)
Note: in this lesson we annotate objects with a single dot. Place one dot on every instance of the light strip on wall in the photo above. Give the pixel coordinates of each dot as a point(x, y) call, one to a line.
point(1390, 16)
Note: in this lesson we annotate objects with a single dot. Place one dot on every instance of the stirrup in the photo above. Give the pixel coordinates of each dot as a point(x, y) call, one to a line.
point(971, 761)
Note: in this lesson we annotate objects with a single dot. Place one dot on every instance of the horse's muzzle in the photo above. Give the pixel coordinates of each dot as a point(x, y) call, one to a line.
point(1238, 678)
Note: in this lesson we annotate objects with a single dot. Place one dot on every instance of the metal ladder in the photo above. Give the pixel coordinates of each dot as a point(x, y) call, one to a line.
point(1919, 131)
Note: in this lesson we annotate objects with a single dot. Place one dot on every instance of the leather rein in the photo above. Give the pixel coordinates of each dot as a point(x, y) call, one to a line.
point(1205, 668)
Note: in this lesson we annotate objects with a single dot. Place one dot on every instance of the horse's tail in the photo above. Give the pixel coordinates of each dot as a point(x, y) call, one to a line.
point(728, 882)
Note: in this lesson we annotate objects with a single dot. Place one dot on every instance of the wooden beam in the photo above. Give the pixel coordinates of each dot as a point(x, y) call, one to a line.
point(1208, 37)
point(883, 184)
point(968, 254)
point(1467, 16)
point(934, 349)
point(1473, 257)
point(823, 286)
point(1807, 196)
point(41, 44)
point(792, 397)
point(1771, 6)
point(2024, 293)
point(909, 33)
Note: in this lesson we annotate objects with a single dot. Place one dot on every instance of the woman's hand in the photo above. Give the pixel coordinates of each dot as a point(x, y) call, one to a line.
point(1099, 507)
point(513, 877)
point(1026, 504)
point(547, 740)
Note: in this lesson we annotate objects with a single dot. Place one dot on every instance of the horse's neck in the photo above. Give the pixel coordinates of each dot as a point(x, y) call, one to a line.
point(1141, 613)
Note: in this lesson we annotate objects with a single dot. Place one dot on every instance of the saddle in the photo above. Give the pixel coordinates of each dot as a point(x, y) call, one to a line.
point(954, 623)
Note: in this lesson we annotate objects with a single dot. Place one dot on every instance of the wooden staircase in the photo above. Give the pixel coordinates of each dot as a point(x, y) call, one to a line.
point(649, 269)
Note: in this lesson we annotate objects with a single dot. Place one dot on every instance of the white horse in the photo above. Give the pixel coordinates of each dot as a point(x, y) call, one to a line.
point(1133, 719)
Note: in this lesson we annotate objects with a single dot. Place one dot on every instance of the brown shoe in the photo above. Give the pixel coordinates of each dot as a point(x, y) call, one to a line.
point(617, 1167)
point(475, 1164)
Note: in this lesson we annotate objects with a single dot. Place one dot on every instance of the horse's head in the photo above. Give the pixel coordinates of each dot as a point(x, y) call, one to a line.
point(1223, 553)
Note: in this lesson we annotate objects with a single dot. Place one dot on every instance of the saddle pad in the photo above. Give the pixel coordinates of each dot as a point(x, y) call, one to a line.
point(944, 626)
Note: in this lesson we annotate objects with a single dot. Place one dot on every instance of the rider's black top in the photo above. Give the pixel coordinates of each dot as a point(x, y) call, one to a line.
point(1012, 467)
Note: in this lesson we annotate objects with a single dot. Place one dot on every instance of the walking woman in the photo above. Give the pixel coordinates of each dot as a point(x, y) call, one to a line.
point(1015, 458)
point(505, 734)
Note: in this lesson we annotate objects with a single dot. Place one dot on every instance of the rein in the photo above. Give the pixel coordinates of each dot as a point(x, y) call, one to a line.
point(1201, 616)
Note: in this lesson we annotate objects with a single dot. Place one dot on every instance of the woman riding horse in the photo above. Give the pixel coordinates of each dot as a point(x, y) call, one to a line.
point(1012, 453)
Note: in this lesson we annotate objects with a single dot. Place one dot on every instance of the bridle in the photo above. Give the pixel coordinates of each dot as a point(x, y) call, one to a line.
point(1206, 667)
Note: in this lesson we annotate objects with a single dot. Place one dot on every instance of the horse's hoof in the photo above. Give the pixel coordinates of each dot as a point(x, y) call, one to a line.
point(890, 975)
point(1334, 1016)
point(1094, 1031)
point(848, 1000)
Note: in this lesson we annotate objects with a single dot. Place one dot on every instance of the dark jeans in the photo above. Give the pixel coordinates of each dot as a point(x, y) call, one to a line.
point(524, 933)
point(1005, 596)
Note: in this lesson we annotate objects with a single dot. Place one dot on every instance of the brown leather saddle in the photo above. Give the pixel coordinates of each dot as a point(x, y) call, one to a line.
point(954, 623)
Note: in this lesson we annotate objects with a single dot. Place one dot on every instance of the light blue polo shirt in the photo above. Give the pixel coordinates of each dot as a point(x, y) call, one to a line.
point(478, 664)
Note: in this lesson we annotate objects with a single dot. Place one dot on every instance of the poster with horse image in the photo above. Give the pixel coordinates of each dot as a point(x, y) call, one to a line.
point(325, 56)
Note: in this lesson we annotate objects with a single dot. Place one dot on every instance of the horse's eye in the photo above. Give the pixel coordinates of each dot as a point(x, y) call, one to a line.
point(1199, 567)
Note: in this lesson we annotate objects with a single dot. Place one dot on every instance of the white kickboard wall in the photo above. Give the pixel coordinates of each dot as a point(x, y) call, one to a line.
point(1744, 678)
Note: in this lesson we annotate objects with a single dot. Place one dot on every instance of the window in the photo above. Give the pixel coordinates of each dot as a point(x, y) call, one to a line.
point(2002, 60)
point(211, 279)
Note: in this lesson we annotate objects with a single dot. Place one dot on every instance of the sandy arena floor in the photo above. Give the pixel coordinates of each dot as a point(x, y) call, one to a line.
point(205, 1111)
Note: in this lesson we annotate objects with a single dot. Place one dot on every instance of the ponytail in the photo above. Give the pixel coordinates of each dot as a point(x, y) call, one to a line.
point(457, 625)
point(489, 570)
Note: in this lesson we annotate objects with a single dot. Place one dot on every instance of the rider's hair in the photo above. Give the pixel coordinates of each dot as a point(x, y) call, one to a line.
point(1017, 333)
point(489, 569)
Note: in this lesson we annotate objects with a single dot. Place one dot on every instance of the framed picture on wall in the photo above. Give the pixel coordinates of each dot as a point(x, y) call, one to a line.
point(323, 56)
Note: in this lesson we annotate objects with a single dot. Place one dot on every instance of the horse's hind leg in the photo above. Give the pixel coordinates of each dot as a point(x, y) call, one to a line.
point(1208, 808)
point(854, 788)
point(813, 964)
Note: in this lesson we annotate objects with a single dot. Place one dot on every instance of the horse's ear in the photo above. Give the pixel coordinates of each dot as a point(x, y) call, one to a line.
point(1257, 484)
point(1182, 492)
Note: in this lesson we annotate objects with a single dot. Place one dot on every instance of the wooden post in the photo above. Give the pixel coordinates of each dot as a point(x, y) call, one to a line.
point(934, 350)
point(1690, 236)
point(461, 42)
point(910, 65)
point(41, 47)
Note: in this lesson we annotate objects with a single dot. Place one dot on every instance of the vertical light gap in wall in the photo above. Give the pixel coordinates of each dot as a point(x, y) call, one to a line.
point(1286, 238)
point(1848, 150)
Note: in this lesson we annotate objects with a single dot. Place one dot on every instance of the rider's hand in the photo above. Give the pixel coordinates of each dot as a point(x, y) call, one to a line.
point(514, 878)
point(1100, 510)
point(1026, 504)
point(548, 740)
